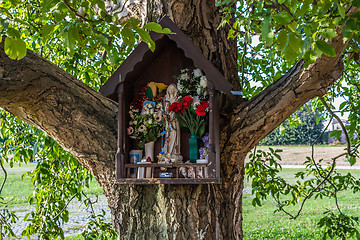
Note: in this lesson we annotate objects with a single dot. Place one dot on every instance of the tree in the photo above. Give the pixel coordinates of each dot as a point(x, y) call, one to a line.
point(303, 128)
point(312, 36)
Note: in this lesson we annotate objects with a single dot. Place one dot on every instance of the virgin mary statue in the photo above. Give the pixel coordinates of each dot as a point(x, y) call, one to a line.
point(171, 146)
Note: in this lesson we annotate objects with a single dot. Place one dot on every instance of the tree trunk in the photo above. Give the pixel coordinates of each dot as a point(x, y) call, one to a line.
point(188, 211)
point(84, 123)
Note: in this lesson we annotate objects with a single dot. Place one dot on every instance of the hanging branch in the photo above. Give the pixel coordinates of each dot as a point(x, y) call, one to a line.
point(5, 177)
point(340, 122)
point(325, 178)
point(78, 15)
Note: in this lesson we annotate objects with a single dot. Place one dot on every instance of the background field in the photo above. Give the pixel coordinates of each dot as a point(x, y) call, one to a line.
point(296, 155)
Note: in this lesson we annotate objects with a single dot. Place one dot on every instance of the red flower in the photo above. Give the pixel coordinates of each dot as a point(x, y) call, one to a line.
point(187, 99)
point(204, 103)
point(186, 105)
point(200, 112)
point(202, 106)
point(174, 107)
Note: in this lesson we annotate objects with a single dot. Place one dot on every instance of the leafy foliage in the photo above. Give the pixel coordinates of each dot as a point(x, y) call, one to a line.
point(301, 128)
point(58, 178)
point(314, 182)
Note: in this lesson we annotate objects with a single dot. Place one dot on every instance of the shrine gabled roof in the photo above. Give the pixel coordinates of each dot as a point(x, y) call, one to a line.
point(142, 55)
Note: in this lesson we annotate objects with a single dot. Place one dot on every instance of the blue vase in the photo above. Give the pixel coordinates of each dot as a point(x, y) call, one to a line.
point(193, 148)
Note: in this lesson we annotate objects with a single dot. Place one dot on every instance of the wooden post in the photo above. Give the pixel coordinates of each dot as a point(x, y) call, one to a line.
point(119, 158)
point(217, 132)
point(212, 116)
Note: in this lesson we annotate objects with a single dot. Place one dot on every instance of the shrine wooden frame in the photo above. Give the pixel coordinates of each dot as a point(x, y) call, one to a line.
point(116, 88)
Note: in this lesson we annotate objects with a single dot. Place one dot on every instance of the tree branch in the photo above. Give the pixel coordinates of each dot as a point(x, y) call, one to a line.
point(80, 119)
point(255, 119)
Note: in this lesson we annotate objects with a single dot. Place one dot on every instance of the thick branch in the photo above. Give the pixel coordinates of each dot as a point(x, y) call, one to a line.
point(255, 119)
point(40, 93)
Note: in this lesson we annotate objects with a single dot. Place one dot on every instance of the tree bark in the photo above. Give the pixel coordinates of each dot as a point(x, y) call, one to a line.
point(84, 123)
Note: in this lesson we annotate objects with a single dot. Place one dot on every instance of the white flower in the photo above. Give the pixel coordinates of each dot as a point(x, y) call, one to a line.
point(203, 81)
point(135, 122)
point(149, 106)
point(158, 118)
point(198, 91)
point(197, 72)
point(142, 128)
point(184, 76)
point(195, 102)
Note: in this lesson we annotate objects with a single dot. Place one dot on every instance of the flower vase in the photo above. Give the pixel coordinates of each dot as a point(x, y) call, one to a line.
point(149, 156)
point(193, 148)
point(149, 151)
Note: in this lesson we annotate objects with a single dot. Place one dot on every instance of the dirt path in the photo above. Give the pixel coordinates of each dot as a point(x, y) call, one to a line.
point(296, 155)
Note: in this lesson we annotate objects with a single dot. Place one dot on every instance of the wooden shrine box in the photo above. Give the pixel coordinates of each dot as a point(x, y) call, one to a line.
point(173, 52)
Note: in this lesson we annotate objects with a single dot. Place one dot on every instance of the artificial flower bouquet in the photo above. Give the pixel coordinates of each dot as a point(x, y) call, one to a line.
point(192, 107)
point(192, 83)
point(145, 123)
point(191, 114)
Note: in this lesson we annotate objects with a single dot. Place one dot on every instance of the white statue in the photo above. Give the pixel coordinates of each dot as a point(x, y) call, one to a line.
point(171, 146)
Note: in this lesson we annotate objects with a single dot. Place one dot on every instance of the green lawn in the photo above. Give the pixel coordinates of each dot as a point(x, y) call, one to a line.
point(16, 191)
point(259, 222)
point(263, 223)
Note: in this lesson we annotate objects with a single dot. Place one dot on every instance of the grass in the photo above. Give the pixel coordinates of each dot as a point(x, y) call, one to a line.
point(16, 191)
point(263, 223)
point(259, 222)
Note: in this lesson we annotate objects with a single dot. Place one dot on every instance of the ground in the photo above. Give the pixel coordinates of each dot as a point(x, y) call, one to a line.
point(296, 155)
point(259, 222)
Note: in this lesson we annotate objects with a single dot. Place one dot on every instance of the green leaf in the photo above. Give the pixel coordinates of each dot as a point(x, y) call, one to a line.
point(283, 18)
point(15, 48)
point(155, 27)
point(128, 36)
point(352, 160)
point(326, 48)
point(293, 50)
point(309, 58)
point(292, 26)
point(355, 3)
point(69, 42)
point(134, 23)
point(335, 133)
point(341, 10)
point(282, 39)
point(282, 129)
point(145, 37)
point(12, 32)
point(328, 33)
point(201, 129)
point(349, 28)
point(266, 33)
point(46, 30)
